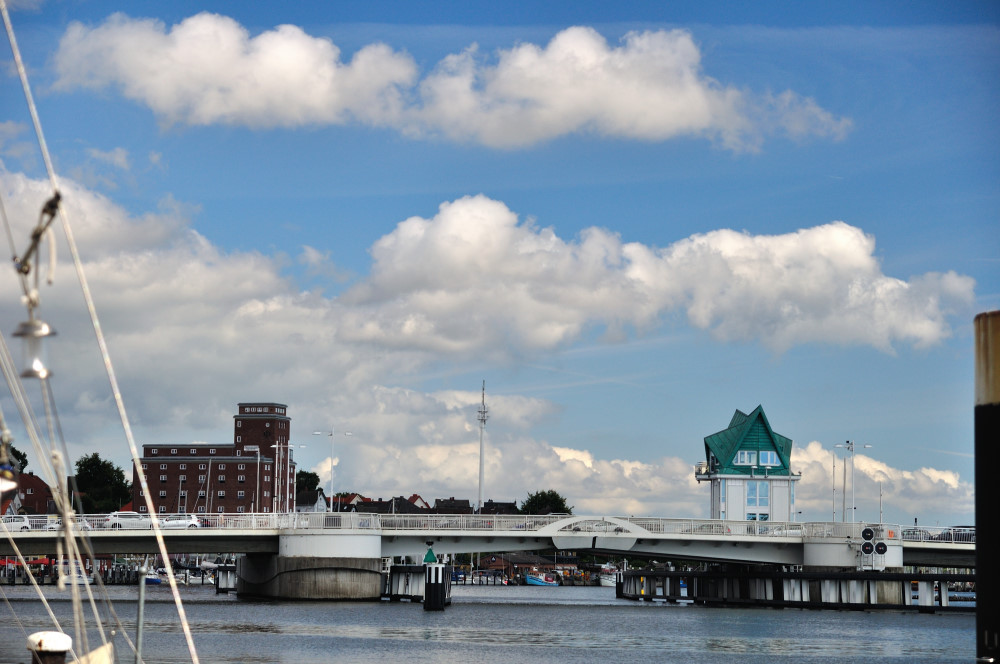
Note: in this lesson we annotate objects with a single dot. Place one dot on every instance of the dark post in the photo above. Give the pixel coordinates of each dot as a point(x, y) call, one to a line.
point(434, 587)
point(987, 427)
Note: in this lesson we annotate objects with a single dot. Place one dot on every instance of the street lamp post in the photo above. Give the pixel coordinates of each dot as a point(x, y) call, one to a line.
point(833, 477)
point(332, 434)
point(255, 504)
point(295, 480)
point(850, 448)
point(275, 500)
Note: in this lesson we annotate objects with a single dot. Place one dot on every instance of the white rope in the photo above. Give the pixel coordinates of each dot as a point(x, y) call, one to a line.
point(31, 577)
point(106, 356)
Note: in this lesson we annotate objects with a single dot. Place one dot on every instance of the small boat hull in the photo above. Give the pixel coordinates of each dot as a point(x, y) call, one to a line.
point(541, 580)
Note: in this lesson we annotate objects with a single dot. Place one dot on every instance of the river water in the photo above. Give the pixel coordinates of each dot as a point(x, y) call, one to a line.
point(501, 625)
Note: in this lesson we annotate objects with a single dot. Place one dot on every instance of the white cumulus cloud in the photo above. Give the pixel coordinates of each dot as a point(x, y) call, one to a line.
point(193, 330)
point(208, 69)
point(474, 278)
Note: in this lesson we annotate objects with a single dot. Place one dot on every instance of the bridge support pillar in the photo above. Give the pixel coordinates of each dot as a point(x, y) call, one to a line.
point(316, 567)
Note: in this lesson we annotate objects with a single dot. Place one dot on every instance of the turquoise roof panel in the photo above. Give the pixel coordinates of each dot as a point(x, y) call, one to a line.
point(752, 433)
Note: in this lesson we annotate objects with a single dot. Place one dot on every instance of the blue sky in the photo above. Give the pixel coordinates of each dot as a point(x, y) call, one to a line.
point(629, 221)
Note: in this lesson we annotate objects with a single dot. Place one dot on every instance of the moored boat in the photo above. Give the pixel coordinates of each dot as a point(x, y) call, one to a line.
point(608, 575)
point(536, 578)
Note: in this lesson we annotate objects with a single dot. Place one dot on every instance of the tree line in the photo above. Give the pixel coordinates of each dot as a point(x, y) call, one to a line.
point(101, 487)
point(548, 501)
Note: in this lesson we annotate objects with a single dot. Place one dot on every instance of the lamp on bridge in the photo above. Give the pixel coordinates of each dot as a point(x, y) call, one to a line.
point(849, 445)
point(255, 503)
point(332, 434)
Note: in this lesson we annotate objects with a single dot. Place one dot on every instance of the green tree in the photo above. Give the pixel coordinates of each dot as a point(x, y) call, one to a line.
point(20, 457)
point(545, 502)
point(306, 481)
point(102, 484)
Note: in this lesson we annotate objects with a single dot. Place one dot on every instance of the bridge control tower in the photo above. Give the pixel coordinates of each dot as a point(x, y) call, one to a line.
point(748, 466)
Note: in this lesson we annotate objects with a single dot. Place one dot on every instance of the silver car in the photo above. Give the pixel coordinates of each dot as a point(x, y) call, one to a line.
point(17, 522)
point(128, 520)
point(175, 521)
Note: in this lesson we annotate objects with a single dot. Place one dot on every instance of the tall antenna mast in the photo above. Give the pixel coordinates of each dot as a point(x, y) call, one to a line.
point(482, 417)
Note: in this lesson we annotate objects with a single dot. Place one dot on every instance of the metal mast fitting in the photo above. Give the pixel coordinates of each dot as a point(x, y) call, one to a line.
point(482, 416)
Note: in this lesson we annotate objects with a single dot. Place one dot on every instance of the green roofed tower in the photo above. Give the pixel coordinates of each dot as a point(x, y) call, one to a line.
point(748, 467)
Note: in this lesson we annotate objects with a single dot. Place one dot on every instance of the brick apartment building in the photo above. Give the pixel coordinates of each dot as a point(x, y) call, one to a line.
point(254, 473)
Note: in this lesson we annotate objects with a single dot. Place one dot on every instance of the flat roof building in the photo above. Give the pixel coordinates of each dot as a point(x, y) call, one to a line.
point(253, 473)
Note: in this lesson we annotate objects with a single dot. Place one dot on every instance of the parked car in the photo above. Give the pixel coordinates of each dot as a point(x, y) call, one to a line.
point(56, 524)
point(17, 522)
point(128, 520)
point(916, 535)
point(966, 534)
point(177, 521)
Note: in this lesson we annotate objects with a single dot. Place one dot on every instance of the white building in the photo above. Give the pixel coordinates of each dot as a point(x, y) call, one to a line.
point(748, 467)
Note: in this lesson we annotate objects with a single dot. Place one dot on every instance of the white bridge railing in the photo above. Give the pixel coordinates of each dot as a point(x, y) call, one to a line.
point(506, 524)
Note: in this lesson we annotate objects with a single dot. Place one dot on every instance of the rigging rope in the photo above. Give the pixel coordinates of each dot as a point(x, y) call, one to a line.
point(92, 310)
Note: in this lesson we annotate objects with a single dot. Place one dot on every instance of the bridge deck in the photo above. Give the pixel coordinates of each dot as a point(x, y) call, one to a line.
point(405, 534)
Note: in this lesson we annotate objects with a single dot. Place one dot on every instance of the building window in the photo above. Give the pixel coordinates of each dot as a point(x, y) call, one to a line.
point(163, 466)
point(267, 478)
point(163, 478)
point(211, 451)
point(201, 479)
point(201, 466)
point(239, 509)
point(222, 466)
point(238, 438)
point(184, 478)
point(184, 494)
point(240, 494)
point(173, 451)
point(267, 494)
point(144, 466)
point(194, 452)
point(722, 499)
point(142, 508)
point(155, 451)
point(769, 458)
point(183, 466)
point(163, 494)
point(757, 494)
point(142, 493)
point(201, 493)
point(242, 478)
point(241, 467)
point(221, 509)
point(181, 509)
point(221, 494)
point(239, 452)
point(239, 423)
point(745, 458)
point(201, 509)
point(267, 466)
point(222, 478)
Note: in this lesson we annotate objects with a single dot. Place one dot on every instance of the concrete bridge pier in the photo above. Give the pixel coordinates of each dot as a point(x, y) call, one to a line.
point(338, 566)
